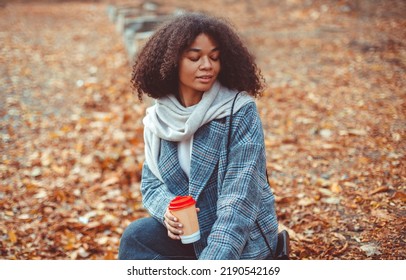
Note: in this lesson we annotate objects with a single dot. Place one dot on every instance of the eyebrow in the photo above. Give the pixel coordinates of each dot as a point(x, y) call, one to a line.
point(199, 50)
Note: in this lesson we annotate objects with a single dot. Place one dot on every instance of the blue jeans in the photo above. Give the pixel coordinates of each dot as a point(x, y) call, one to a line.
point(147, 239)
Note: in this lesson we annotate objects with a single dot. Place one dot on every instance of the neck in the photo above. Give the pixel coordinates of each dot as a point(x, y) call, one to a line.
point(188, 100)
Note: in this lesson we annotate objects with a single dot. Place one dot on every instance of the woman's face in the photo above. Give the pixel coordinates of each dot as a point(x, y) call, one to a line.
point(199, 67)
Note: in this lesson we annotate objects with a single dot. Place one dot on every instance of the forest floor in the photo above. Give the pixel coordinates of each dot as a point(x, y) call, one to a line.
point(333, 114)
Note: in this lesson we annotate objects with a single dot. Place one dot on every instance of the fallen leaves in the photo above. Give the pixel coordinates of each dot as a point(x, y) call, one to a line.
point(370, 249)
point(12, 236)
point(399, 196)
point(72, 158)
point(72, 138)
point(379, 190)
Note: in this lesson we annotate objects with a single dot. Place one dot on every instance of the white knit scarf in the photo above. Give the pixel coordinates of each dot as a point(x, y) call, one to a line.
point(170, 120)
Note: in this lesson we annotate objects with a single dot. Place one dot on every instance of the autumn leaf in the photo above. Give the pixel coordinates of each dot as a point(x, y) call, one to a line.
point(12, 236)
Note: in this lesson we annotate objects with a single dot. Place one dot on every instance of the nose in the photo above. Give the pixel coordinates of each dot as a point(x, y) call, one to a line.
point(206, 63)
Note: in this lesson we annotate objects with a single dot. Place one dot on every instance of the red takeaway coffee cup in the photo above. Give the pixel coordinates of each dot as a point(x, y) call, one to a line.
point(184, 208)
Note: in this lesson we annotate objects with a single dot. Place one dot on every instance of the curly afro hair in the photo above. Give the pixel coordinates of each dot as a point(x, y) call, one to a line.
point(155, 71)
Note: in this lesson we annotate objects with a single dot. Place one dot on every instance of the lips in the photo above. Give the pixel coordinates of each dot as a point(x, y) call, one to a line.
point(205, 78)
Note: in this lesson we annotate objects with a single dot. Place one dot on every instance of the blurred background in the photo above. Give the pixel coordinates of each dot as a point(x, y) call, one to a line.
point(71, 142)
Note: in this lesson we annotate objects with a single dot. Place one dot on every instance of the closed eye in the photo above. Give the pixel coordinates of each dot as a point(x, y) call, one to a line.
point(214, 54)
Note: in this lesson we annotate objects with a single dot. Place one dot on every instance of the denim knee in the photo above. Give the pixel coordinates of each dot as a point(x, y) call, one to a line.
point(147, 239)
point(129, 241)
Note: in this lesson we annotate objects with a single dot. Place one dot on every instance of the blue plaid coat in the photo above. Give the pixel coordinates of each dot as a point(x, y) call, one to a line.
point(231, 194)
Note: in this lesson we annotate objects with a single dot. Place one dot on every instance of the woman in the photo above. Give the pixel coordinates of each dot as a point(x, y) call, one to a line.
point(194, 66)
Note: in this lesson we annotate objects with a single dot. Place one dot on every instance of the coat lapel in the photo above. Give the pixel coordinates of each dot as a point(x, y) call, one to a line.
point(171, 171)
point(207, 144)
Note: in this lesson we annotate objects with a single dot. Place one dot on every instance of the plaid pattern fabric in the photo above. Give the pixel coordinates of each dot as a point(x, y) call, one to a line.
point(231, 193)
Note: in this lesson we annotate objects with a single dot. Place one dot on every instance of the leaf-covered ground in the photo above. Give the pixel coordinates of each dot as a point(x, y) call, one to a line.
point(333, 114)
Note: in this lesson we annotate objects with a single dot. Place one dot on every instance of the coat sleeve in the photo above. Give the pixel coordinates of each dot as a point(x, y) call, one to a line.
point(240, 195)
point(155, 194)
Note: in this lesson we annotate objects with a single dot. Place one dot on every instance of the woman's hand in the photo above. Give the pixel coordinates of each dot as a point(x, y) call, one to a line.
point(173, 225)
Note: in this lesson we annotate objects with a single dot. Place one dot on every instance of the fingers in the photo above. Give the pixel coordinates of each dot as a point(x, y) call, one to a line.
point(173, 226)
point(173, 235)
